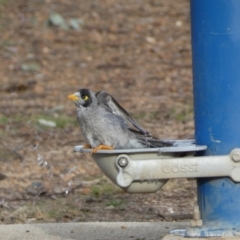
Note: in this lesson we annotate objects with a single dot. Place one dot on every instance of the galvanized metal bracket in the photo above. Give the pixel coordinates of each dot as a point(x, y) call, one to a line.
point(147, 170)
point(130, 170)
point(106, 160)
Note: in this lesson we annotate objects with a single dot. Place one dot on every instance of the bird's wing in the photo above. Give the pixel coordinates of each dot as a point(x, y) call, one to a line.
point(156, 143)
point(151, 141)
point(140, 133)
point(112, 105)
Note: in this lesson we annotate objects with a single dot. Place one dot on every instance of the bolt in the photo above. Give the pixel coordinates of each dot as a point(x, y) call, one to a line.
point(236, 156)
point(196, 213)
point(196, 221)
point(122, 162)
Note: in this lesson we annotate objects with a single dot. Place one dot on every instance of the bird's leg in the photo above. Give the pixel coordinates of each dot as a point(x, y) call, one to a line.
point(87, 146)
point(101, 147)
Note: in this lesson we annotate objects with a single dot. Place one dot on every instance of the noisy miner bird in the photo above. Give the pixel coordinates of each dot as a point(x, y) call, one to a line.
point(105, 124)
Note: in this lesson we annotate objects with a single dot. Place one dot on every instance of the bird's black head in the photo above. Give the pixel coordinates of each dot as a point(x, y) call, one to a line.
point(82, 97)
point(85, 95)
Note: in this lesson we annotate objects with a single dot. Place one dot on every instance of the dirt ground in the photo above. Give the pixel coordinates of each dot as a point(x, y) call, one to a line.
point(137, 50)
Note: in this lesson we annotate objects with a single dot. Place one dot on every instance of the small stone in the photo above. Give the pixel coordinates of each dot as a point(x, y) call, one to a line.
point(178, 23)
point(150, 39)
point(57, 20)
point(75, 24)
point(47, 123)
point(30, 67)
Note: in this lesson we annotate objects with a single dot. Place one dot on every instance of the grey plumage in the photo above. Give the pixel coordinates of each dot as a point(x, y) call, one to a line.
point(142, 135)
point(104, 122)
point(108, 101)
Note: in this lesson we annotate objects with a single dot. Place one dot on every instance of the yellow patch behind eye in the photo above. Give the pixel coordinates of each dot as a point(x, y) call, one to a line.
point(85, 98)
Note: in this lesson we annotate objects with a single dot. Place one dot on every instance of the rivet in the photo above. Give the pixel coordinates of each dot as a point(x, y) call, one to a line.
point(122, 162)
point(236, 156)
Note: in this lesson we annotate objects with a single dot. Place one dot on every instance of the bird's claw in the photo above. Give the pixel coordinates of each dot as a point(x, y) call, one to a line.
point(101, 147)
point(87, 146)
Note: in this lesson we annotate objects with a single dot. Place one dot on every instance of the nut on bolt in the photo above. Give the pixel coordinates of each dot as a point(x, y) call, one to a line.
point(122, 162)
point(236, 155)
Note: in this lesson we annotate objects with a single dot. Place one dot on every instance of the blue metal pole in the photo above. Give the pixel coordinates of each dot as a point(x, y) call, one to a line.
point(216, 82)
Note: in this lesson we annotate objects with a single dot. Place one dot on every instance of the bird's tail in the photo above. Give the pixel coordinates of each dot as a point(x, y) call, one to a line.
point(156, 143)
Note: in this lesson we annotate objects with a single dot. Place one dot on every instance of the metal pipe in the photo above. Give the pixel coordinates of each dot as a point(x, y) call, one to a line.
point(215, 26)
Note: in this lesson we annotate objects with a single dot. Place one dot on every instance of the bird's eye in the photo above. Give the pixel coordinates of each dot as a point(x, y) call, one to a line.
point(84, 97)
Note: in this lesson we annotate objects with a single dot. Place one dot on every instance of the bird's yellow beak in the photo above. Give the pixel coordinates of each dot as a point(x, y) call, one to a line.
point(73, 97)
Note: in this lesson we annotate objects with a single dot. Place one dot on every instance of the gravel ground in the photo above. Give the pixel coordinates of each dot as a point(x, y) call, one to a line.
point(140, 52)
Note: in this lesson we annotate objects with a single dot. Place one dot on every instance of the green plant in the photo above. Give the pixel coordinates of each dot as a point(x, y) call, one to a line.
point(4, 119)
point(115, 202)
point(104, 187)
